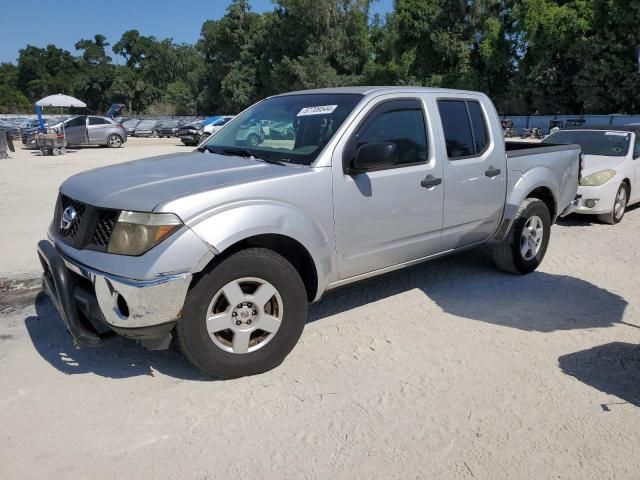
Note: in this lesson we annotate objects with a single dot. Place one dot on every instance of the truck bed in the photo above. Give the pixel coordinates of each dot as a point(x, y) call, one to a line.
point(546, 163)
point(520, 148)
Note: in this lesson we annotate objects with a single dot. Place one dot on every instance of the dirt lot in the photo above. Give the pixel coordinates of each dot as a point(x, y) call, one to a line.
point(446, 370)
point(29, 187)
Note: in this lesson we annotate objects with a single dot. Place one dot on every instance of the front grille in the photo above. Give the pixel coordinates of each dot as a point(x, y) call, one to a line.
point(104, 228)
point(84, 226)
point(71, 227)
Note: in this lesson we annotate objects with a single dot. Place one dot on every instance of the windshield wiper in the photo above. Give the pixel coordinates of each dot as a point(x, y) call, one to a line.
point(243, 152)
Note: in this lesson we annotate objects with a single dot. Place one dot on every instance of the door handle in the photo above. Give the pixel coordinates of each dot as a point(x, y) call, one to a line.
point(493, 172)
point(430, 181)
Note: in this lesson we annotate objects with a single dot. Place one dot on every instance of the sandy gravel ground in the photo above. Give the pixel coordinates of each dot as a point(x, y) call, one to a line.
point(29, 188)
point(446, 370)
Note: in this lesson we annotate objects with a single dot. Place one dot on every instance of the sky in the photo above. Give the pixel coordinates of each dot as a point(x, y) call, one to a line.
point(64, 22)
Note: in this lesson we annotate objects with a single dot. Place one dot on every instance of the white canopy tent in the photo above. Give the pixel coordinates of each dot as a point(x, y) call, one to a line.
point(62, 101)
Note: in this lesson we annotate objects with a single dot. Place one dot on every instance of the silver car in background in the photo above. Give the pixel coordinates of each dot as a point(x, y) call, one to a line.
point(130, 125)
point(92, 130)
point(147, 128)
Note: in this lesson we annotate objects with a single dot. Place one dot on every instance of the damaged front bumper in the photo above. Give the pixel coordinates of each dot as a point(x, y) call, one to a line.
point(93, 304)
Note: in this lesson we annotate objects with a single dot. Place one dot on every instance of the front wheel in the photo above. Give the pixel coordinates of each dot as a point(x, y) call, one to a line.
point(114, 141)
point(619, 207)
point(525, 246)
point(244, 315)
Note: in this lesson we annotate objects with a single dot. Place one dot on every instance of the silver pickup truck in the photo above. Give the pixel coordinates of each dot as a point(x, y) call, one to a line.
point(221, 249)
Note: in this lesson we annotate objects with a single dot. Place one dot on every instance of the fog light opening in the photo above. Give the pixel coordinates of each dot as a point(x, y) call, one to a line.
point(590, 203)
point(121, 305)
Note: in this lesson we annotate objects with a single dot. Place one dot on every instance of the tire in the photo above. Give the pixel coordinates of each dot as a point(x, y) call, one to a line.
point(253, 140)
point(218, 354)
point(114, 141)
point(521, 253)
point(619, 207)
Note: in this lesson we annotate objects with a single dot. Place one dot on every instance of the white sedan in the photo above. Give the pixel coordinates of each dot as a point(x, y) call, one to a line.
point(610, 170)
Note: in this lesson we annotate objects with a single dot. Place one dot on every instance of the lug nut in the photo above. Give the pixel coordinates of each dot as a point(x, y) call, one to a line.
point(234, 314)
point(238, 322)
point(248, 322)
point(255, 312)
point(249, 305)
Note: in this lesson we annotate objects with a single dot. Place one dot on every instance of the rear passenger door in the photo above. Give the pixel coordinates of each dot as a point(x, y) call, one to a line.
point(475, 172)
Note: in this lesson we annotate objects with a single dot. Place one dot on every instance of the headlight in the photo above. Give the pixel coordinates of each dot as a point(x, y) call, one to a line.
point(135, 233)
point(597, 178)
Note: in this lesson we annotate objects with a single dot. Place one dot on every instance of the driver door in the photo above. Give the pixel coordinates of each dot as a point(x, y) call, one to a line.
point(75, 130)
point(393, 215)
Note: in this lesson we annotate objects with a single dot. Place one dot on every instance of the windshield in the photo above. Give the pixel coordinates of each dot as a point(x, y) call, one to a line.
point(291, 128)
point(594, 142)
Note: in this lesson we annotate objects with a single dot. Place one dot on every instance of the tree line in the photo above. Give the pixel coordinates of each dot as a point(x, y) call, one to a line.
point(530, 56)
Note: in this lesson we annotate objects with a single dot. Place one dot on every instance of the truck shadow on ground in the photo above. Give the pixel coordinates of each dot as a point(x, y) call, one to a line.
point(118, 358)
point(613, 368)
point(468, 286)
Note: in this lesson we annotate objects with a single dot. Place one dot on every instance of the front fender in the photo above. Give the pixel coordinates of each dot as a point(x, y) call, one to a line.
point(230, 224)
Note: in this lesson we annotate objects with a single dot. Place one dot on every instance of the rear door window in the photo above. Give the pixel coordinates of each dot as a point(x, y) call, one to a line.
point(465, 129)
point(97, 121)
point(479, 127)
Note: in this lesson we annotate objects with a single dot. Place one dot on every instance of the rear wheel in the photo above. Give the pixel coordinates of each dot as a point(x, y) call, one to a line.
point(114, 141)
point(243, 316)
point(526, 244)
point(619, 207)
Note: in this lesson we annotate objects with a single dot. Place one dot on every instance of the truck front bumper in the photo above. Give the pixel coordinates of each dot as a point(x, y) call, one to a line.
point(93, 303)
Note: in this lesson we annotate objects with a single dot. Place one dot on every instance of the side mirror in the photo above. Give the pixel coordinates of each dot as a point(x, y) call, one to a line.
point(374, 156)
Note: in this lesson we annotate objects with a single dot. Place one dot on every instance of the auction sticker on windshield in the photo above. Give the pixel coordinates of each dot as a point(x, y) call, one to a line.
point(319, 110)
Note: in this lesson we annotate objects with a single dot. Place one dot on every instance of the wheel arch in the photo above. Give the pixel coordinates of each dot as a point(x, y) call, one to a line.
point(545, 195)
point(283, 229)
point(628, 183)
point(289, 248)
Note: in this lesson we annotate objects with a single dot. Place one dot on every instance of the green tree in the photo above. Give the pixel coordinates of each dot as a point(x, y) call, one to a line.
point(609, 80)
point(95, 75)
point(11, 99)
point(554, 40)
point(45, 71)
point(232, 47)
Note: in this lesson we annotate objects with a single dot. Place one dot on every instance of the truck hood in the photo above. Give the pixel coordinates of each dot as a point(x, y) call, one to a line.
point(596, 163)
point(142, 184)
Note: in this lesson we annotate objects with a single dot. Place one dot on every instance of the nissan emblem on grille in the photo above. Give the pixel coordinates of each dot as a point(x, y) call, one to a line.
point(68, 217)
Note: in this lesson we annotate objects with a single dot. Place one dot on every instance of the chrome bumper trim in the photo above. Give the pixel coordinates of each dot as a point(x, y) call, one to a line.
point(150, 302)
